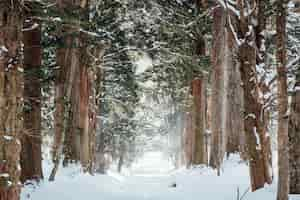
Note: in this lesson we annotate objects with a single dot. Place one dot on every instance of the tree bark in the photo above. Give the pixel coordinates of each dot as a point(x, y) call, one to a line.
point(74, 93)
point(235, 104)
point(218, 98)
point(252, 114)
point(84, 92)
point(31, 154)
point(294, 139)
point(256, 136)
point(67, 55)
point(11, 94)
point(282, 134)
point(199, 120)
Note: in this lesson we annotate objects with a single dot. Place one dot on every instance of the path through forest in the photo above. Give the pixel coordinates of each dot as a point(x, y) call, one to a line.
point(150, 179)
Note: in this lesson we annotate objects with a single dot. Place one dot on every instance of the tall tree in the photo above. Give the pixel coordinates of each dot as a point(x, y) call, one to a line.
point(294, 117)
point(282, 134)
point(255, 134)
point(294, 139)
point(31, 155)
point(11, 94)
point(75, 114)
point(218, 96)
point(199, 120)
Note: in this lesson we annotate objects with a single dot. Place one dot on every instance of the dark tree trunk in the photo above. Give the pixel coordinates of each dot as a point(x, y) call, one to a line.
point(11, 95)
point(31, 155)
point(294, 139)
point(199, 121)
point(253, 126)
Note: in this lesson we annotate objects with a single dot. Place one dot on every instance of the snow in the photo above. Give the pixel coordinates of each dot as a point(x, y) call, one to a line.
point(5, 175)
point(152, 163)
point(251, 115)
point(3, 50)
point(143, 63)
point(258, 144)
point(8, 137)
point(151, 183)
point(34, 26)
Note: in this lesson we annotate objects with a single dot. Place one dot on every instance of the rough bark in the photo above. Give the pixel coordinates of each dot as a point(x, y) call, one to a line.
point(67, 55)
point(199, 120)
point(92, 117)
point(72, 58)
point(252, 114)
point(294, 139)
point(84, 92)
point(11, 81)
point(74, 93)
point(256, 136)
point(282, 134)
point(60, 111)
point(234, 118)
point(218, 138)
point(264, 87)
point(31, 155)
point(234, 114)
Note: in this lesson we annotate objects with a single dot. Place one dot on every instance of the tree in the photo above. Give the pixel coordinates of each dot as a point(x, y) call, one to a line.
point(293, 48)
point(294, 139)
point(199, 121)
point(31, 155)
point(11, 94)
point(118, 95)
point(251, 69)
point(218, 96)
point(282, 134)
point(77, 56)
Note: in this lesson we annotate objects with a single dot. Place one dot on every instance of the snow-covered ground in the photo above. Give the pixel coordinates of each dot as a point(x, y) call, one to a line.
point(151, 178)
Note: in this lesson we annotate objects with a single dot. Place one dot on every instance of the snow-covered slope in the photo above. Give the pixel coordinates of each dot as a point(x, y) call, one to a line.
point(199, 183)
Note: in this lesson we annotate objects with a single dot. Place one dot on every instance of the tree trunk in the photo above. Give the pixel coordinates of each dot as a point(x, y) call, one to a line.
point(92, 117)
point(84, 92)
point(67, 55)
point(294, 139)
point(11, 94)
point(73, 91)
point(234, 113)
point(31, 155)
point(188, 139)
point(282, 134)
point(72, 64)
point(234, 119)
point(218, 98)
point(199, 120)
point(254, 114)
point(253, 125)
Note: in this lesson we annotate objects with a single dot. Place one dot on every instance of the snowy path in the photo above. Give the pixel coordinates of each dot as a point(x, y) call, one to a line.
point(195, 184)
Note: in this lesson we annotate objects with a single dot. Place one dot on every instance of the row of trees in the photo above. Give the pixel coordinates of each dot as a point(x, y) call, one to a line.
point(242, 95)
point(69, 66)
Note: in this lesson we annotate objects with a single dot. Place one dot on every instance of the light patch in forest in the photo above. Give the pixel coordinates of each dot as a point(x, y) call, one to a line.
point(143, 63)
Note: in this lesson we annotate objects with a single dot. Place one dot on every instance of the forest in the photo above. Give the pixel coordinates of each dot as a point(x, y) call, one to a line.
point(149, 99)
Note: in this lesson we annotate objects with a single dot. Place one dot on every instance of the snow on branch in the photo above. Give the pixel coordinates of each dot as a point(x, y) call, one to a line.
point(293, 62)
point(234, 33)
